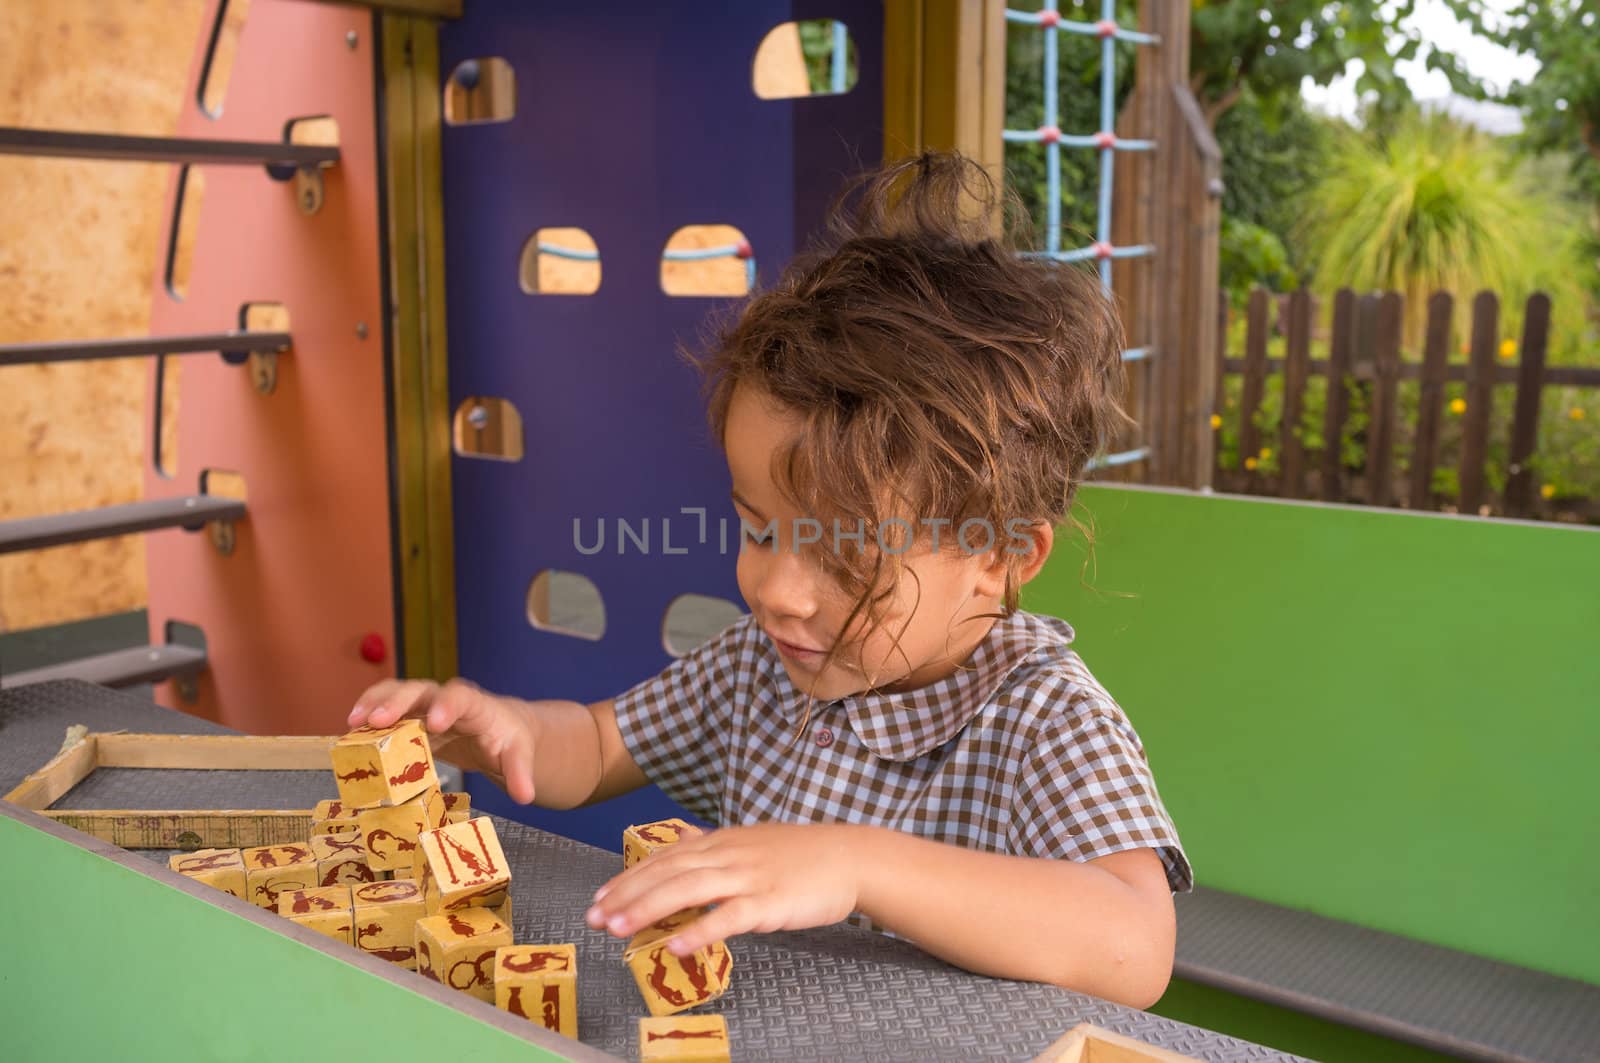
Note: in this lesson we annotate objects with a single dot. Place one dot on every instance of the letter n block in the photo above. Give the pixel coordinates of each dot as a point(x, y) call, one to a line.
point(325, 909)
point(386, 915)
point(466, 864)
point(457, 949)
point(390, 832)
point(383, 765)
point(669, 983)
point(684, 1039)
point(222, 869)
point(341, 860)
point(641, 840)
point(539, 982)
point(274, 869)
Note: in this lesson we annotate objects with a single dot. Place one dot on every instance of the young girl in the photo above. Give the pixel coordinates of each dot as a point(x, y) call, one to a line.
point(885, 737)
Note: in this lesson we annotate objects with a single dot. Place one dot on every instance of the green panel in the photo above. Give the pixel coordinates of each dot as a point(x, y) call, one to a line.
point(1289, 1031)
point(1388, 718)
point(106, 962)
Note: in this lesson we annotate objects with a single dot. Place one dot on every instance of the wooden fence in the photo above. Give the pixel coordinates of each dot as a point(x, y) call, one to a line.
point(1364, 353)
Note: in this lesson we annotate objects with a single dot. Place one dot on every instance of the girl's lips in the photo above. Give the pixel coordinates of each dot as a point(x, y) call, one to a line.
point(799, 653)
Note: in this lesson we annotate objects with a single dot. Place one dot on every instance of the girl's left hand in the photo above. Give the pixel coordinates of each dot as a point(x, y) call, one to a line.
point(772, 876)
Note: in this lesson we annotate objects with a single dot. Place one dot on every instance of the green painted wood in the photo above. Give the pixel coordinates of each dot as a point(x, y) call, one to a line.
point(1387, 718)
point(122, 965)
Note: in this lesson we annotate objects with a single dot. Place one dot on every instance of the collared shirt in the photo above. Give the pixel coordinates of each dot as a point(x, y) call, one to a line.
point(1019, 751)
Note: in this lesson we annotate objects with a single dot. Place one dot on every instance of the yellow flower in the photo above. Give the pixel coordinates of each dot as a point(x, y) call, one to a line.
point(1508, 348)
point(1266, 453)
point(1216, 421)
point(1250, 463)
point(1576, 413)
point(1458, 405)
point(1548, 491)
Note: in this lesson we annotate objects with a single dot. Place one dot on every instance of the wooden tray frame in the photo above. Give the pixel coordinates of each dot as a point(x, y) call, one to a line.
point(226, 828)
point(1087, 1043)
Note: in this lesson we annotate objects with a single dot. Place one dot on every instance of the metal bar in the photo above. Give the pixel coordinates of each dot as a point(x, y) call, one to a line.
point(1126, 457)
point(144, 346)
point(1108, 122)
point(1138, 354)
point(1052, 151)
point(119, 668)
point(1074, 140)
point(1086, 29)
point(430, 8)
point(840, 59)
point(119, 147)
point(56, 529)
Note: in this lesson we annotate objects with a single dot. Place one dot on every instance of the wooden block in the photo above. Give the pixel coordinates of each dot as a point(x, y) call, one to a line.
point(331, 817)
point(390, 832)
point(384, 765)
point(503, 912)
point(467, 864)
point(1086, 1043)
point(539, 982)
point(669, 983)
point(220, 868)
point(385, 922)
point(457, 949)
point(684, 1039)
point(273, 869)
point(325, 909)
point(341, 860)
point(457, 801)
point(641, 840)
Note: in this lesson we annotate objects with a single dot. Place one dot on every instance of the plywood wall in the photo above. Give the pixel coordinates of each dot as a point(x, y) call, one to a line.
point(81, 240)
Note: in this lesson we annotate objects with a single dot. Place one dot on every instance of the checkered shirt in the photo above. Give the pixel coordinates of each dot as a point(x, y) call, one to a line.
point(1021, 751)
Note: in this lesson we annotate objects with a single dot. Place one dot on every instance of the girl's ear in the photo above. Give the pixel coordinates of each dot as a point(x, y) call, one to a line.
point(1024, 552)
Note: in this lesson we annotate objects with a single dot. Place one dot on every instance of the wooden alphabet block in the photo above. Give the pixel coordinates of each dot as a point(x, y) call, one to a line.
point(539, 982)
point(273, 869)
point(684, 1039)
point(641, 840)
point(385, 922)
point(467, 865)
point(325, 909)
point(390, 832)
point(220, 868)
point(341, 860)
point(457, 949)
point(457, 807)
point(384, 765)
point(331, 817)
point(669, 983)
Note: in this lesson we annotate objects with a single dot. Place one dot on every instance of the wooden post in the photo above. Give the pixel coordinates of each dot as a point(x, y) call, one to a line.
point(1530, 389)
point(1338, 404)
point(1255, 376)
point(1296, 368)
point(1430, 404)
point(1388, 322)
point(1480, 397)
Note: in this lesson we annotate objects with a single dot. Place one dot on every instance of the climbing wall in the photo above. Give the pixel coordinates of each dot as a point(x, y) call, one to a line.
point(631, 121)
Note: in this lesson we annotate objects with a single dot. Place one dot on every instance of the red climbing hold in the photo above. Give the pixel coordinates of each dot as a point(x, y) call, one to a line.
point(373, 649)
point(744, 250)
point(1102, 249)
point(1106, 28)
point(1049, 18)
point(1105, 139)
point(1049, 134)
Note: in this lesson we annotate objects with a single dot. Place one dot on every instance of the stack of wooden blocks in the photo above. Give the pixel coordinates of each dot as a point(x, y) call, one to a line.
point(404, 872)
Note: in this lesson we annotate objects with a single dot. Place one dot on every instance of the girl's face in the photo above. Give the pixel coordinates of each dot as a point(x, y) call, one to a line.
point(802, 608)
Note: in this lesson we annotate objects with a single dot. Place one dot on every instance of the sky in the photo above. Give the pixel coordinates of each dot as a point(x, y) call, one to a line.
point(1495, 65)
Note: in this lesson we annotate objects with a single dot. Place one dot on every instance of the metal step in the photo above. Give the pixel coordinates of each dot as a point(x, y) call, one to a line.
point(191, 511)
point(120, 668)
point(237, 344)
point(118, 147)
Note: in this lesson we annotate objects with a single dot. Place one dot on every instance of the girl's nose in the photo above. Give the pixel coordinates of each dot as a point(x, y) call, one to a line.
point(788, 584)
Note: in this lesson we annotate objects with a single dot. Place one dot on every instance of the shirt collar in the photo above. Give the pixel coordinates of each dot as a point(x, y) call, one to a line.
point(905, 725)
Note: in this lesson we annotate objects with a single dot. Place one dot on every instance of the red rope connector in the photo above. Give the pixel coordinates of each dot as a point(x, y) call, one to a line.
point(1049, 134)
point(1105, 140)
point(1049, 18)
point(744, 250)
point(1102, 250)
point(1106, 28)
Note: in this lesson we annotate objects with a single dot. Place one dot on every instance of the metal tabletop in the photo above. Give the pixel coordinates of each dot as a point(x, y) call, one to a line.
point(833, 993)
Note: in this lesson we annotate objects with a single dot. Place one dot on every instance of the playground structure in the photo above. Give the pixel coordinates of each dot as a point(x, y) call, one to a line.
point(418, 392)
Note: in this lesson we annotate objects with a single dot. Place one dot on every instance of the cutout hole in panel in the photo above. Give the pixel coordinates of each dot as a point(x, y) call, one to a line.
point(488, 427)
point(812, 57)
point(220, 53)
point(480, 91)
point(707, 260)
point(567, 604)
point(264, 317)
point(560, 261)
point(317, 130)
point(185, 227)
point(164, 432)
point(692, 619)
point(224, 484)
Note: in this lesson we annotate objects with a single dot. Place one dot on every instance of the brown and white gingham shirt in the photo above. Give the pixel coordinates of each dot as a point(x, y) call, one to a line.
point(1021, 751)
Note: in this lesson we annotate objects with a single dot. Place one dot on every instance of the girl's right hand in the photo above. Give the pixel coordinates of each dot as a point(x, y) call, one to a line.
point(474, 729)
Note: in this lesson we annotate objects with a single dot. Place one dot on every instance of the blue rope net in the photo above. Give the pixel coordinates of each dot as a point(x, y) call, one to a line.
point(1105, 141)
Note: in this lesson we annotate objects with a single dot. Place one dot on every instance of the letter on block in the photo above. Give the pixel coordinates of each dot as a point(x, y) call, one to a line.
point(640, 841)
point(331, 817)
point(539, 982)
point(457, 807)
point(341, 860)
point(390, 831)
point(273, 869)
point(325, 909)
point(684, 1039)
point(386, 915)
point(669, 983)
point(221, 868)
point(384, 765)
point(457, 949)
point(467, 864)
